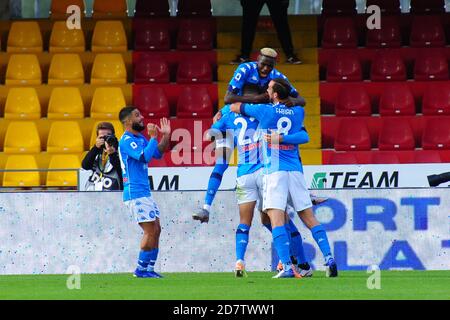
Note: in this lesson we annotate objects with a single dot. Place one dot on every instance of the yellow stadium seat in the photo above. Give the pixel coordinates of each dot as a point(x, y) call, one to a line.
point(63, 178)
point(109, 36)
point(24, 36)
point(107, 102)
point(65, 103)
point(118, 128)
point(66, 68)
point(22, 137)
point(22, 103)
point(63, 39)
point(21, 179)
point(65, 137)
point(109, 9)
point(23, 69)
point(109, 68)
point(58, 8)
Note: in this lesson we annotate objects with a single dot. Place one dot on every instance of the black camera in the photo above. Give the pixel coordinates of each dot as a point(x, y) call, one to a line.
point(111, 140)
point(436, 179)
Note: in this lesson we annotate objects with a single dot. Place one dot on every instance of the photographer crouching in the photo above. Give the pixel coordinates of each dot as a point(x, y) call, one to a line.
point(103, 160)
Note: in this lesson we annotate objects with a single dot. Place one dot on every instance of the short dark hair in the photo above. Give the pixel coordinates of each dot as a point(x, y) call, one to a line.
point(105, 126)
point(281, 87)
point(126, 112)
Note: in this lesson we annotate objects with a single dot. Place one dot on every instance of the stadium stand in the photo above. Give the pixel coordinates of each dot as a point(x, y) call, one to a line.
point(22, 137)
point(21, 179)
point(64, 40)
point(109, 36)
point(63, 178)
point(60, 142)
point(108, 68)
point(24, 37)
point(58, 9)
point(150, 9)
point(107, 103)
point(66, 69)
point(107, 9)
point(65, 103)
point(23, 69)
point(22, 104)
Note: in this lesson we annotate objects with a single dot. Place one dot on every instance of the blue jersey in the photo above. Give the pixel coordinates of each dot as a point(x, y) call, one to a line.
point(246, 139)
point(135, 153)
point(247, 74)
point(284, 120)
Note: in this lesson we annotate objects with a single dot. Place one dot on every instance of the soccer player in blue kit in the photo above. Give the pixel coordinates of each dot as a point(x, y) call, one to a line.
point(135, 153)
point(241, 132)
point(283, 172)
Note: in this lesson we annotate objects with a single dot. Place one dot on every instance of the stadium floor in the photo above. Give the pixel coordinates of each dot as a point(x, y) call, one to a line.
point(223, 286)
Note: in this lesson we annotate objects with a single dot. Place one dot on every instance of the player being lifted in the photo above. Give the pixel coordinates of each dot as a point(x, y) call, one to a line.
point(135, 153)
point(241, 132)
point(283, 172)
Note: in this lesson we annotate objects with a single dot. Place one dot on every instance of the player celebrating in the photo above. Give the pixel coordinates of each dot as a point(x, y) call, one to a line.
point(241, 131)
point(249, 85)
point(135, 154)
point(283, 178)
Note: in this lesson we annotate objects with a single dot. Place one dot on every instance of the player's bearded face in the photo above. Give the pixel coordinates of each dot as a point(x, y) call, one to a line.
point(138, 125)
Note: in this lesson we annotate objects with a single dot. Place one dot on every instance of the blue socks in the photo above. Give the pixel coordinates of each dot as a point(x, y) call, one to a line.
point(320, 236)
point(296, 242)
point(281, 243)
point(241, 240)
point(214, 182)
point(147, 259)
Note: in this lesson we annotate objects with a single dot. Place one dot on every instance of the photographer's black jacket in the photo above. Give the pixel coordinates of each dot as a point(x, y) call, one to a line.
point(92, 161)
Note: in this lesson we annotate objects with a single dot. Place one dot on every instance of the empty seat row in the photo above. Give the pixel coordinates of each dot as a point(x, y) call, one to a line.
point(33, 179)
point(388, 66)
point(63, 137)
point(395, 99)
point(25, 36)
point(333, 7)
point(384, 157)
point(66, 69)
point(390, 133)
point(193, 102)
point(156, 35)
point(65, 103)
point(426, 31)
point(156, 70)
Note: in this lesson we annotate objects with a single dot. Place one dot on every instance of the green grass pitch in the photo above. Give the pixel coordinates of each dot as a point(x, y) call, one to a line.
point(223, 286)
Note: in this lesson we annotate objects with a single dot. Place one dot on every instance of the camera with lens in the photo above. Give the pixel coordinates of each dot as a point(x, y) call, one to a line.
point(436, 179)
point(111, 140)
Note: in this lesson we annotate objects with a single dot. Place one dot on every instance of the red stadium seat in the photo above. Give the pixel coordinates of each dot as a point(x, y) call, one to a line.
point(427, 156)
point(189, 135)
point(194, 8)
point(152, 8)
point(353, 101)
point(152, 102)
point(397, 99)
point(194, 71)
point(427, 31)
point(343, 158)
point(151, 70)
point(384, 158)
point(155, 37)
point(388, 36)
point(194, 102)
point(387, 6)
point(436, 134)
point(396, 134)
point(388, 65)
point(431, 64)
point(436, 99)
point(427, 6)
point(339, 32)
point(345, 66)
point(352, 135)
point(338, 7)
point(194, 35)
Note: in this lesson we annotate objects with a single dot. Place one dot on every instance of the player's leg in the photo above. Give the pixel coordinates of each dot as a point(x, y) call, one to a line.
point(303, 205)
point(274, 203)
point(242, 235)
point(297, 250)
point(222, 156)
point(320, 236)
point(146, 213)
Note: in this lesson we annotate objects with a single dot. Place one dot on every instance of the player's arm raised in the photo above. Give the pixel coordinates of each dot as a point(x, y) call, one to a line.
point(153, 131)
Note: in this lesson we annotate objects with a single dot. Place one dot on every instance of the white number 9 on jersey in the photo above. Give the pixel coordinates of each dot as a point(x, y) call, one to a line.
point(284, 124)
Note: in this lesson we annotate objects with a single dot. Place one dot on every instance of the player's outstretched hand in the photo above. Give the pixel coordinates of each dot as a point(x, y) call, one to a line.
point(165, 126)
point(217, 116)
point(236, 107)
point(152, 130)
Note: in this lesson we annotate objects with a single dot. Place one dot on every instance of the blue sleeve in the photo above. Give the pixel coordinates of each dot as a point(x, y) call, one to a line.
point(294, 92)
point(157, 154)
point(239, 79)
point(136, 152)
point(257, 111)
point(299, 137)
point(221, 124)
point(225, 109)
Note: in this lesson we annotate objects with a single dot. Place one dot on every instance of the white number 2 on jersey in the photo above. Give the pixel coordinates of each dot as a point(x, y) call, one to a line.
point(244, 125)
point(284, 124)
